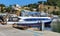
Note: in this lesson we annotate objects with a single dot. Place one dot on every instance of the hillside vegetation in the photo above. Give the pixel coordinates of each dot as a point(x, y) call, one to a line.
point(57, 2)
point(54, 3)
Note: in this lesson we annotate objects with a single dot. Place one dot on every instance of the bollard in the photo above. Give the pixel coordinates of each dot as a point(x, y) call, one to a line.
point(42, 26)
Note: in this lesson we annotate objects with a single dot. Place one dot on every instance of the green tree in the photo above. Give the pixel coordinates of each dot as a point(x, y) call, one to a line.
point(39, 2)
point(56, 12)
point(31, 6)
point(54, 2)
point(2, 7)
point(9, 9)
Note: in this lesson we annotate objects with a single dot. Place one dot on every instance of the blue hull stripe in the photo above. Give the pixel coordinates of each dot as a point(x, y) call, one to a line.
point(34, 24)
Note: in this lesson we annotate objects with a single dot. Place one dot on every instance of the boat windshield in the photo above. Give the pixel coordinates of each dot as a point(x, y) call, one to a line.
point(33, 14)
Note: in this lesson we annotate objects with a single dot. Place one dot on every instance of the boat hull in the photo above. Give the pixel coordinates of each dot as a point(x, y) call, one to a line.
point(47, 24)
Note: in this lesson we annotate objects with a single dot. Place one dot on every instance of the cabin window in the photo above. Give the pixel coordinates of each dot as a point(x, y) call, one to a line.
point(13, 19)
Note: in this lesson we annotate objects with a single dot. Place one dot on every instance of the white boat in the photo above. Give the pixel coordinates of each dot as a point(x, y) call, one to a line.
point(29, 21)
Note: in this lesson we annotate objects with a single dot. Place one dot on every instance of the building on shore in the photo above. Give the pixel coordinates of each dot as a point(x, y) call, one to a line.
point(16, 9)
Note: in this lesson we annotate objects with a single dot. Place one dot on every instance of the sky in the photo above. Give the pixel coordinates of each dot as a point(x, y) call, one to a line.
point(19, 2)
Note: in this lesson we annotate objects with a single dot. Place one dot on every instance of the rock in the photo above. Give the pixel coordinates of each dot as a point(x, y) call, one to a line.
point(34, 29)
